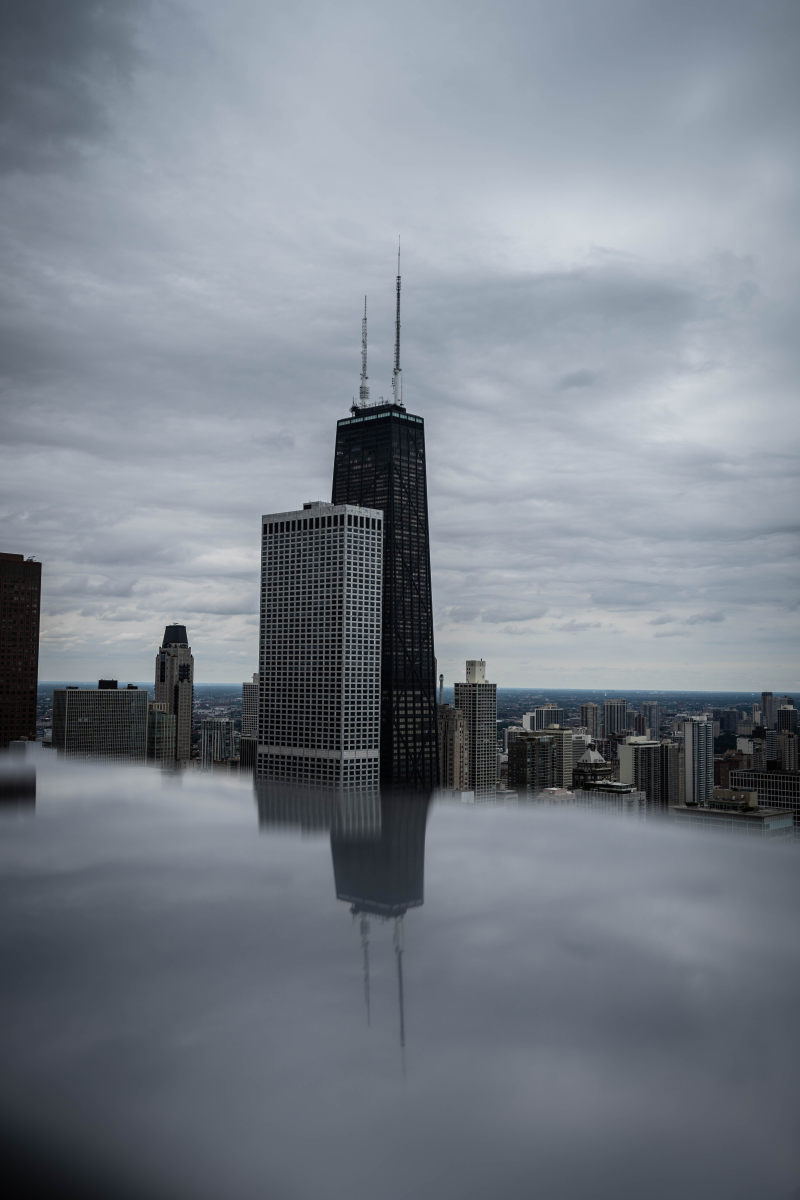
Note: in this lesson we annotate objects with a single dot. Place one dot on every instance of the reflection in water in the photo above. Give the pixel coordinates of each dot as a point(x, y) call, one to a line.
point(17, 785)
point(378, 851)
point(383, 877)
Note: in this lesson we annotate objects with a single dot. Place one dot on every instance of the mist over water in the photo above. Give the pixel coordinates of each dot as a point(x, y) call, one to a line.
point(211, 991)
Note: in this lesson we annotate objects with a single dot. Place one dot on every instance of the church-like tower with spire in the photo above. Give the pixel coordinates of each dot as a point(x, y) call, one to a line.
point(380, 463)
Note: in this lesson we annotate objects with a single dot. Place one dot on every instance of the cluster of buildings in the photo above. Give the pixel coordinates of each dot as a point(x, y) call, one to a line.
point(345, 693)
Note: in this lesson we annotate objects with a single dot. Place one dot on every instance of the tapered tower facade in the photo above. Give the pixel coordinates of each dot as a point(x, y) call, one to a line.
point(380, 464)
point(175, 686)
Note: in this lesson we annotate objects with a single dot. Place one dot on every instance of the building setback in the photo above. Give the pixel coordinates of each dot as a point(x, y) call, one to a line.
point(175, 686)
point(320, 646)
point(20, 594)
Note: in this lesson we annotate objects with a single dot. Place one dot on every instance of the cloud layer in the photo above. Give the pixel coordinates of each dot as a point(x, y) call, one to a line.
point(598, 209)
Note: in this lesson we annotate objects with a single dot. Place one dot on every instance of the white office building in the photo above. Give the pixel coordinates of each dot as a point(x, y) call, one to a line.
point(320, 646)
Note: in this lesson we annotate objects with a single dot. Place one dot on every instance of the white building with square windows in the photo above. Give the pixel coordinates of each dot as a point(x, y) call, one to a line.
point(320, 646)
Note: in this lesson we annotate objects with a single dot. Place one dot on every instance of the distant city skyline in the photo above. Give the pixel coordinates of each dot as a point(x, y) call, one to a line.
point(599, 324)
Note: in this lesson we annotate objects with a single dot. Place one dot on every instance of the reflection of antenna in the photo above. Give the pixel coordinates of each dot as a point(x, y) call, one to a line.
point(365, 950)
point(398, 950)
point(397, 378)
point(363, 391)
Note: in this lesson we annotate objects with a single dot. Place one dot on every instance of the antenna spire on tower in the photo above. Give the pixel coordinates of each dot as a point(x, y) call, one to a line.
point(363, 391)
point(397, 378)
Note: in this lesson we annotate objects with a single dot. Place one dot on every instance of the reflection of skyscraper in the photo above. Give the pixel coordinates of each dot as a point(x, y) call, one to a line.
point(384, 877)
point(175, 686)
point(380, 463)
point(20, 589)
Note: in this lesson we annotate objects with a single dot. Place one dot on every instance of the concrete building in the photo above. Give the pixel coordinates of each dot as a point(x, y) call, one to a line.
point(453, 748)
point(477, 700)
point(615, 717)
point(542, 716)
point(651, 711)
point(107, 722)
point(250, 708)
point(160, 735)
point(733, 810)
point(216, 741)
point(320, 646)
point(640, 764)
point(775, 789)
point(590, 719)
point(787, 751)
point(768, 710)
point(175, 686)
point(20, 594)
point(698, 760)
point(532, 762)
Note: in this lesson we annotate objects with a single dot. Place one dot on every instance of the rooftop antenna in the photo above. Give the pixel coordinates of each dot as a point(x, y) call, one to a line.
point(397, 378)
point(363, 391)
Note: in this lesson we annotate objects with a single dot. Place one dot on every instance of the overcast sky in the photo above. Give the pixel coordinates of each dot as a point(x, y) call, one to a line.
point(598, 202)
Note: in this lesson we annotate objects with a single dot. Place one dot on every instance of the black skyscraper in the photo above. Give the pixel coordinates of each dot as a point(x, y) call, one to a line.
point(380, 463)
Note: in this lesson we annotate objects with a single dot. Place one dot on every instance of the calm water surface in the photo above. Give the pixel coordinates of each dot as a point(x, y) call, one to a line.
point(209, 993)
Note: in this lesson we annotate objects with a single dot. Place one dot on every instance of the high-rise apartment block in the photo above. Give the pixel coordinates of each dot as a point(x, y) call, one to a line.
point(453, 748)
point(615, 717)
point(216, 741)
point(698, 760)
point(768, 710)
point(651, 711)
point(542, 716)
point(175, 686)
point(20, 593)
point(590, 719)
point(380, 464)
point(108, 722)
point(640, 764)
point(320, 646)
point(532, 761)
point(477, 700)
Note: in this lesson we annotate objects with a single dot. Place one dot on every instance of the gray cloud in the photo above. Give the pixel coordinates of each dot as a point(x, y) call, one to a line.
point(599, 320)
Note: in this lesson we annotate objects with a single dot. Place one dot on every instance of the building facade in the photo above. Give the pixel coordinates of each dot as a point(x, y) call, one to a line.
point(107, 722)
point(615, 717)
point(20, 595)
point(477, 700)
point(453, 748)
point(175, 686)
point(651, 711)
point(590, 719)
point(250, 708)
point(320, 646)
point(160, 735)
point(380, 464)
point(698, 760)
point(640, 764)
point(216, 741)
